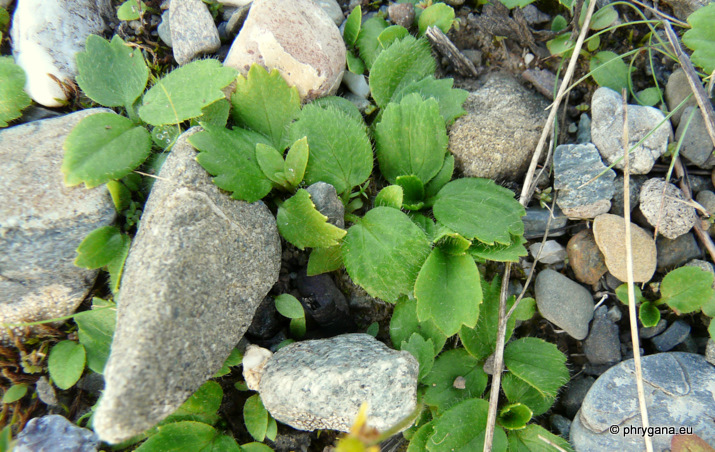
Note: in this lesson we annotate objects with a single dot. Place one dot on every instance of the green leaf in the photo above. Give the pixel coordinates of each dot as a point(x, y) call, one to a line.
point(480, 341)
point(111, 73)
point(14, 393)
point(404, 62)
point(202, 406)
point(215, 114)
point(289, 306)
point(411, 139)
point(440, 180)
point(603, 18)
point(296, 161)
point(519, 391)
point(255, 447)
point(340, 150)
point(511, 4)
point(649, 97)
point(561, 45)
point(181, 94)
point(390, 196)
point(271, 163)
point(342, 104)
point(355, 64)
point(165, 136)
point(404, 323)
point(413, 191)
point(648, 314)
point(100, 247)
point(324, 260)
point(622, 294)
point(455, 376)
point(115, 267)
point(450, 100)
point(453, 433)
point(13, 98)
point(422, 350)
point(95, 332)
point(711, 330)
point(265, 103)
point(367, 41)
point(608, 69)
point(593, 43)
point(559, 24)
point(534, 438)
point(301, 224)
point(514, 416)
point(708, 307)
point(437, 15)
point(385, 239)
point(499, 252)
point(131, 10)
point(538, 363)
point(453, 244)
point(102, 147)
point(701, 38)
point(526, 309)
point(374, 328)
point(426, 224)
point(297, 327)
point(233, 360)
point(418, 442)
point(256, 417)
point(120, 195)
point(188, 436)
point(391, 34)
point(272, 430)
point(230, 156)
point(352, 26)
point(686, 289)
point(66, 363)
point(479, 208)
point(448, 291)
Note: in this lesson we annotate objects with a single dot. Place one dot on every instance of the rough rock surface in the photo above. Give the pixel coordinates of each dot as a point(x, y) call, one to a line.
point(610, 234)
point(298, 39)
point(680, 391)
point(499, 133)
point(574, 166)
point(697, 145)
point(42, 222)
point(585, 258)
point(663, 204)
point(193, 31)
point(673, 253)
point(198, 268)
point(602, 346)
point(676, 90)
point(607, 131)
point(46, 36)
point(634, 189)
point(320, 384)
point(327, 202)
point(55, 433)
point(563, 302)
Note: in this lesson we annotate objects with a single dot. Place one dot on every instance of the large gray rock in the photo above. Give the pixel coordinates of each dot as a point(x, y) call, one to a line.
point(321, 384)
point(46, 36)
point(198, 268)
point(680, 392)
point(563, 302)
point(499, 133)
point(42, 222)
point(193, 31)
point(607, 131)
point(574, 166)
point(298, 39)
point(663, 205)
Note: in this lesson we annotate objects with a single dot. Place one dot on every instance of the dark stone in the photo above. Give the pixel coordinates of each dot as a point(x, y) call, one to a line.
point(92, 383)
point(561, 425)
point(674, 335)
point(674, 253)
point(536, 219)
point(648, 332)
point(325, 303)
point(602, 346)
point(575, 393)
point(266, 322)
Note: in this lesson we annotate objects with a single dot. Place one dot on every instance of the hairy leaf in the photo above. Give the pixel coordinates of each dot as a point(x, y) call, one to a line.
point(450, 100)
point(111, 73)
point(215, 114)
point(301, 224)
point(103, 147)
point(188, 435)
point(323, 260)
point(453, 433)
point(411, 139)
point(535, 438)
point(686, 289)
point(479, 208)
point(202, 406)
point(95, 331)
point(538, 363)
point(66, 363)
point(608, 69)
point(648, 314)
point(296, 162)
point(340, 151)
point(265, 103)
point(422, 350)
point(385, 239)
point(367, 41)
point(701, 37)
point(391, 34)
point(230, 156)
point(499, 252)
point(404, 323)
point(418, 442)
point(413, 191)
point(100, 247)
point(352, 26)
point(437, 15)
point(390, 196)
point(514, 416)
point(440, 180)
point(13, 98)
point(448, 291)
point(517, 390)
point(404, 62)
point(455, 376)
point(181, 94)
point(342, 104)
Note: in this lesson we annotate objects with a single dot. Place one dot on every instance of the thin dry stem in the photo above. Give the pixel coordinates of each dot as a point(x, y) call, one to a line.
point(631, 289)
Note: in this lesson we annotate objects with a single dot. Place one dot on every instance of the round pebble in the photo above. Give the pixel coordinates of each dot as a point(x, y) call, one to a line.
point(610, 234)
point(664, 207)
point(585, 259)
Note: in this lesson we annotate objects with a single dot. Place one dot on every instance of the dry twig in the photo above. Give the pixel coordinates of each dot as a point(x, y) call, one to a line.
point(702, 234)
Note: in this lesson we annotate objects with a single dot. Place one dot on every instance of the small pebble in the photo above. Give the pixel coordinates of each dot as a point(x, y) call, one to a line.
point(649, 332)
point(585, 258)
point(609, 232)
point(561, 425)
point(563, 302)
point(551, 253)
point(674, 335)
point(673, 253)
point(574, 394)
point(602, 346)
point(664, 207)
point(537, 218)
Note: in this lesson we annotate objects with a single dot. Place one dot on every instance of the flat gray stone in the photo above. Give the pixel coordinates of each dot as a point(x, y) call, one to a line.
point(607, 131)
point(298, 39)
point(697, 146)
point(42, 222)
point(673, 253)
point(680, 392)
point(499, 133)
point(193, 31)
point(584, 129)
point(564, 303)
point(650, 331)
point(551, 253)
point(198, 268)
point(320, 384)
point(603, 345)
point(710, 352)
point(663, 204)
point(537, 218)
point(327, 202)
point(55, 433)
point(46, 36)
point(574, 166)
point(676, 333)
